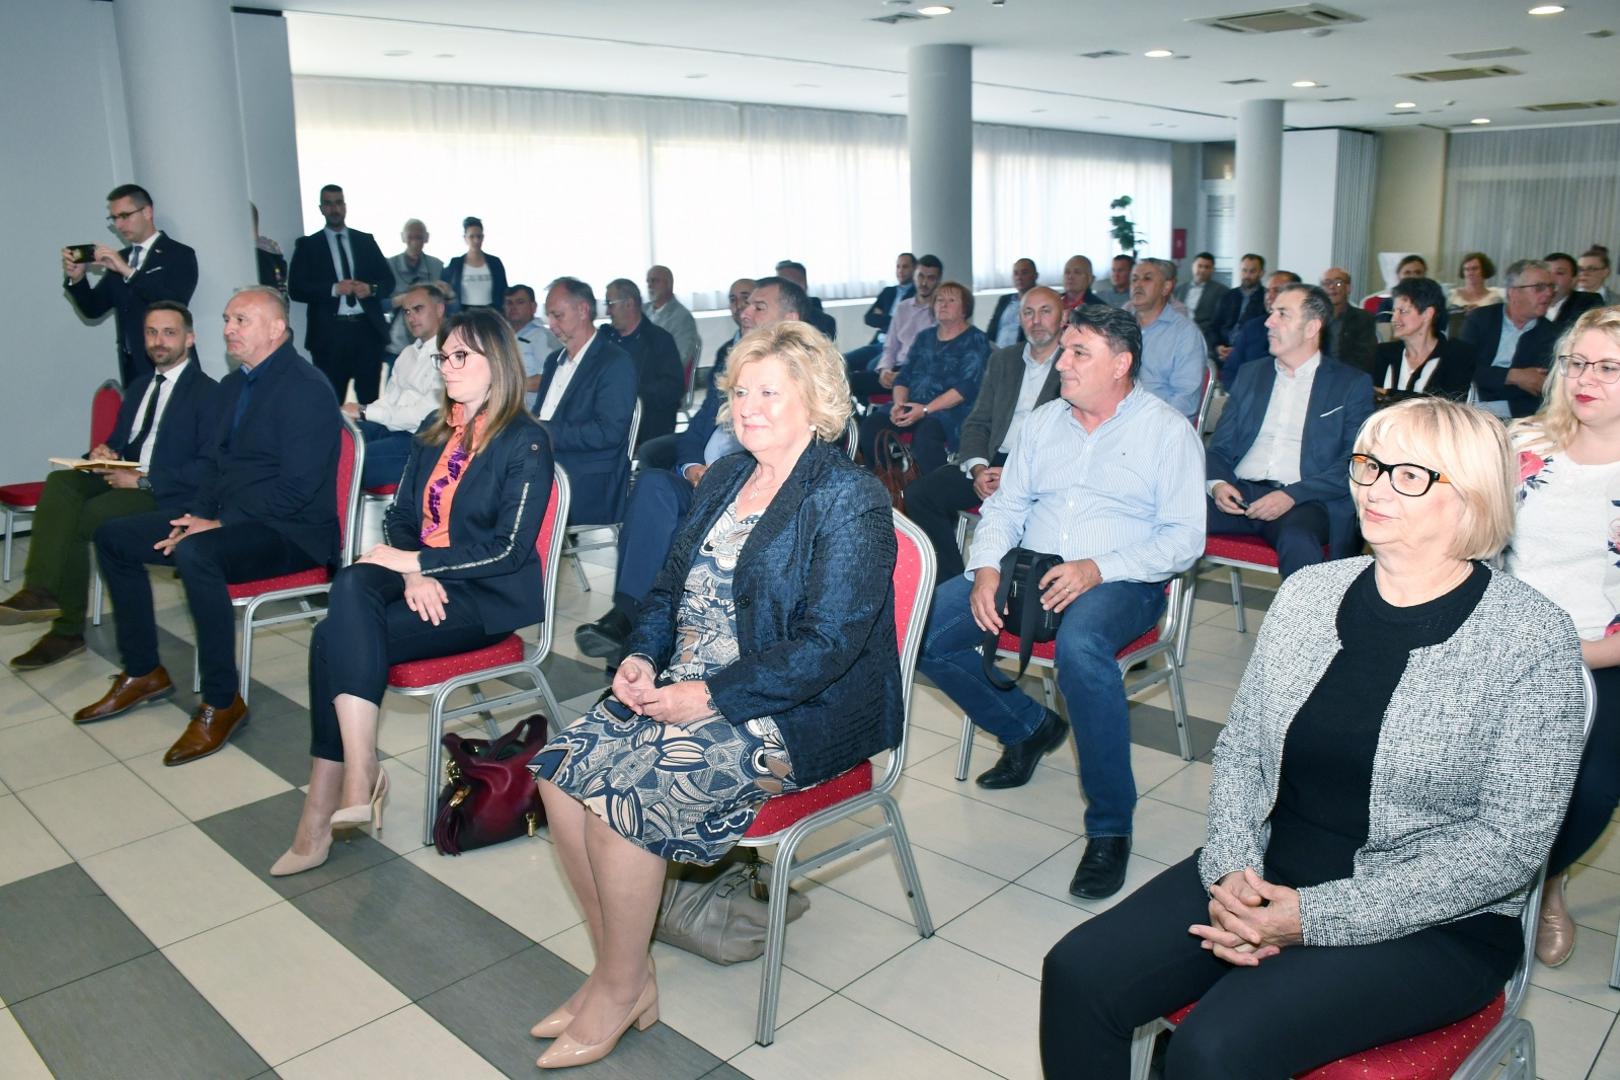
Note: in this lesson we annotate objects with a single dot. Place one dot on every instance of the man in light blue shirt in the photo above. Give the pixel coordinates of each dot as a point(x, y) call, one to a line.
point(1173, 348)
point(1109, 478)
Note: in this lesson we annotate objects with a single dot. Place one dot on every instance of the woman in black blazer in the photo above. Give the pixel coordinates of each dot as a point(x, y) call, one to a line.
point(762, 661)
point(465, 274)
point(458, 571)
point(1421, 359)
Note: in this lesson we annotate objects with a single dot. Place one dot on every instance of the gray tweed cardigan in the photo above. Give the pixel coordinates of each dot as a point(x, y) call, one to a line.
point(1473, 771)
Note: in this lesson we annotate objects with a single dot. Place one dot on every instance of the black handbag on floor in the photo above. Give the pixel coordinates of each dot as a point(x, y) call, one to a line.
point(1018, 599)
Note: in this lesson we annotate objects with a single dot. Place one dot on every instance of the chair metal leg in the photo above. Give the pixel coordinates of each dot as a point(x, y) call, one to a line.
point(196, 670)
point(770, 977)
point(1237, 598)
point(553, 707)
point(906, 864)
point(1614, 972)
point(97, 597)
point(1178, 706)
point(579, 570)
point(11, 524)
point(964, 753)
point(1142, 1050)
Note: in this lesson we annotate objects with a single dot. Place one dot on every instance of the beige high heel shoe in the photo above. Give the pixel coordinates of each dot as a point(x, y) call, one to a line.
point(567, 1051)
point(557, 1020)
point(293, 863)
point(358, 814)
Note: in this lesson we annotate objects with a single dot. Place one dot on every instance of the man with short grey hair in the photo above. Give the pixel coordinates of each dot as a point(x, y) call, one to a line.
point(672, 316)
point(1513, 342)
point(1173, 348)
point(660, 378)
point(411, 267)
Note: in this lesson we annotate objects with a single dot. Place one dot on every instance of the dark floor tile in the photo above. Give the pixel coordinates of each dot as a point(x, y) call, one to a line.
point(414, 931)
point(570, 678)
point(725, 1072)
point(1155, 728)
point(59, 926)
point(493, 1010)
point(137, 1020)
point(257, 834)
point(278, 737)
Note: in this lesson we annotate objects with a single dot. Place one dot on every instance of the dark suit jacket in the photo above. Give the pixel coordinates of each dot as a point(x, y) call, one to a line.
point(313, 273)
point(168, 271)
point(1236, 309)
point(986, 426)
point(815, 610)
point(1209, 307)
point(660, 375)
point(1451, 378)
point(1352, 338)
point(278, 469)
point(497, 280)
point(1006, 308)
point(179, 456)
point(494, 521)
point(821, 320)
point(1578, 304)
point(1483, 331)
point(272, 270)
point(1341, 398)
point(1251, 343)
point(882, 310)
point(590, 429)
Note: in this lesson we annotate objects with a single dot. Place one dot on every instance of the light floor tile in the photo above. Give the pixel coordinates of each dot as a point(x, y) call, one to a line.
point(1585, 975)
point(1052, 877)
point(950, 887)
point(1166, 833)
point(1605, 854)
point(221, 781)
point(1212, 667)
point(408, 1042)
point(28, 848)
point(100, 809)
point(1607, 1066)
point(1016, 928)
point(18, 1058)
point(1569, 1033)
point(81, 679)
point(20, 705)
point(178, 883)
point(519, 882)
point(1593, 897)
point(407, 796)
point(843, 1039)
point(149, 729)
point(44, 750)
point(1188, 788)
point(282, 982)
point(992, 839)
point(1052, 795)
point(840, 939)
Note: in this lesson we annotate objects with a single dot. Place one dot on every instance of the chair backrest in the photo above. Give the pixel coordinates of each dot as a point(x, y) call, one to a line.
point(104, 406)
point(351, 462)
point(1208, 396)
point(914, 569)
point(635, 426)
point(852, 438)
point(549, 546)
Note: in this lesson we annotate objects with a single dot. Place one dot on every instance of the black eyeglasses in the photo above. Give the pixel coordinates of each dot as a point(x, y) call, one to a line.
point(114, 219)
point(455, 361)
point(1405, 477)
point(1604, 371)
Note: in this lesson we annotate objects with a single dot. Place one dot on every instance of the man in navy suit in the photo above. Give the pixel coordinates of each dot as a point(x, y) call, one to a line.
point(265, 505)
point(341, 274)
point(150, 267)
point(1513, 341)
point(587, 398)
point(1276, 466)
point(1006, 327)
point(163, 425)
point(1242, 302)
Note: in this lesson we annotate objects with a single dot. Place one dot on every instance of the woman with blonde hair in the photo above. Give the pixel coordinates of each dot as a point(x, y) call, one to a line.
point(1567, 545)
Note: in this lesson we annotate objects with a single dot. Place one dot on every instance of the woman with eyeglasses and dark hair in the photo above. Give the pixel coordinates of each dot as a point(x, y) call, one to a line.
point(1567, 545)
point(1378, 810)
point(1475, 270)
point(457, 571)
point(1421, 359)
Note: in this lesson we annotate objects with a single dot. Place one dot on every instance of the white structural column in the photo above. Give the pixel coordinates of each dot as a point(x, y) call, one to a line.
point(1259, 177)
point(939, 127)
point(186, 144)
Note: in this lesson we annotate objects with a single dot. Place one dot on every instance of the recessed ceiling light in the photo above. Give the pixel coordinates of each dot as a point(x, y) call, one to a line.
point(1158, 54)
point(1406, 104)
point(935, 9)
point(1302, 84)
point(1547, 9)
point(396, 52)
point(1480, 120)
point(444, 56)
point(698, 75)
point(807, 85)
point(1037, 110)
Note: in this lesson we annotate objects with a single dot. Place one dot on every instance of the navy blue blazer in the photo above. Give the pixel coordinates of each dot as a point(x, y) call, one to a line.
point(312, 274)
point(882, 310)
point(1006, 307)
point(494, 521)
point(168, 271)
point(1251, 343)
point(179, 456)
point(497, 280)
point(1483, 331)
point(1341, 399)
point(590, 429)
point(278, 468)
point(1237, 309)
point(1576, 305)
point(815, 610)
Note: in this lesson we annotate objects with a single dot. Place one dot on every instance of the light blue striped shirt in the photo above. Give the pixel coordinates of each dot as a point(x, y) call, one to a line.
point(1173, 361)
point(1129, 496)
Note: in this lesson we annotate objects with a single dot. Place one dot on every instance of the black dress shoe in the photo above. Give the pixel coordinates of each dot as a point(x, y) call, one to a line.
point(605, 638)
point(1018, 761)
point(1102, 867)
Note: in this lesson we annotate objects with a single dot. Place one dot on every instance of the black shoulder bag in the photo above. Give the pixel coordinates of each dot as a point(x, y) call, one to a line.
point(1018, 600)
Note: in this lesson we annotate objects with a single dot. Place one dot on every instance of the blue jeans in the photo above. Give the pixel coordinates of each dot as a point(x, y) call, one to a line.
point(1099, 623)
point(387, 451)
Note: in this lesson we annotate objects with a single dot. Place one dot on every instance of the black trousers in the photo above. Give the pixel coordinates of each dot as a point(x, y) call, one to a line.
point(207, 563)
point(657, 452)
point(367, 628)
point(351, 351)
point(1597, 786)
point(933, 501)
point(927, 440)
point(1300, 1009)
point(1298, 535)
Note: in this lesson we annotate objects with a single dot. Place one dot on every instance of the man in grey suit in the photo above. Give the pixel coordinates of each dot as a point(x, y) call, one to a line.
point(1201, 296)
point(1017, 379)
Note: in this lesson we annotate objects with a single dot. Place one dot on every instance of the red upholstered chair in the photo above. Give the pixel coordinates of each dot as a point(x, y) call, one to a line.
point(443, 676)
point(1239, 553)
point(19, 499)
point(250, 596)
point(787, 820)
point(571, 535)
point(1166, 641)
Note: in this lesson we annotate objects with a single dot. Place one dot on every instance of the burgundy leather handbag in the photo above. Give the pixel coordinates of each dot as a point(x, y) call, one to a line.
point(491, 796)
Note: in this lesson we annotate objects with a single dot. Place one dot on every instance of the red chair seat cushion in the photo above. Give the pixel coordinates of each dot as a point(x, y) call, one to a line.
point(247, 590)
point(22, 496)
point(382, 491)
point(415, 674)
point(1047, 650)
point(1250, 549)
point(784, 810)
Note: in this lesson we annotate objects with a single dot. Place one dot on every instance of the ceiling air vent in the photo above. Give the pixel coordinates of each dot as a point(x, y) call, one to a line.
point(899, 17)
point(1101, 54)
point(1282, 19)
point(1600, 34)
point(1242, 82)
point(1487, 54)
point(1332, 100)
point(1568, 106)
point(1459, 74)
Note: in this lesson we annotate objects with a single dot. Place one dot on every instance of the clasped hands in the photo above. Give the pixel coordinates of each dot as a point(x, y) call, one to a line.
point(350, 287)
point(676, 703)
point(1268, 507)
point(181, 527)
point(1250, 919)
point(906, 413)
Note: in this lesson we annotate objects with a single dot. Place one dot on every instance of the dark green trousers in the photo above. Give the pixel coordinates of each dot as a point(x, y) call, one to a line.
point(73, 506)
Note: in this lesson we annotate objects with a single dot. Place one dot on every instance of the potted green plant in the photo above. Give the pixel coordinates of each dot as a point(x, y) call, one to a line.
point(1124, 229)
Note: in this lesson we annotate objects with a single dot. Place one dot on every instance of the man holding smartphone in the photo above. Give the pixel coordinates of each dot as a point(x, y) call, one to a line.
point(150, 267)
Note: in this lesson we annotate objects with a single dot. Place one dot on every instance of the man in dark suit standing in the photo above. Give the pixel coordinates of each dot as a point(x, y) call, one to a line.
point(1006, 326)
point(344, 279)
point(1276, 464)
point(660, 373)
point(1513, 342)
point(587, 398)
point(164, 424)
point(265, 505)
point(151, 266)
point(1202, 297)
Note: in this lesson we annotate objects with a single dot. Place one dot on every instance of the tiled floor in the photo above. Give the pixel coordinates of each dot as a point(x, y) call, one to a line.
point(140, 935)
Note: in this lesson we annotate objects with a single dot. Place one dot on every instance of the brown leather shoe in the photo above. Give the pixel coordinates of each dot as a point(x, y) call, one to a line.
point(127, 692)
point(1555, 934)
point(210, 727)
point(48, 650)
point(29, 605)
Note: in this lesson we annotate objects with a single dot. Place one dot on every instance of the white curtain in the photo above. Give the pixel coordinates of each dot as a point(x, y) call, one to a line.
point(1522, 194)
point(602, 186)
point(1353, 204)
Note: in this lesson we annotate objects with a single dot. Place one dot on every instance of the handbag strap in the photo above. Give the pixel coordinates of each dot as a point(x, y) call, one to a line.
point(1027, 618)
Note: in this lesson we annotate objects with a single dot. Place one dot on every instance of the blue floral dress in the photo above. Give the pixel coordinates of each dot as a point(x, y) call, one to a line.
point(684, 792)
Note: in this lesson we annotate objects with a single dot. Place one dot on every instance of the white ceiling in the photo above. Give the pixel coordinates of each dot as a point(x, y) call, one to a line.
point(1026, 64)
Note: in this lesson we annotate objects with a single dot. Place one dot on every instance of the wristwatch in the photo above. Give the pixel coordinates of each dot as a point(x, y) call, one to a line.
point(143, 482)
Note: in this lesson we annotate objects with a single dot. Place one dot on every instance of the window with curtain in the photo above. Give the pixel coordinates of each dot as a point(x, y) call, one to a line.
point(603, 186)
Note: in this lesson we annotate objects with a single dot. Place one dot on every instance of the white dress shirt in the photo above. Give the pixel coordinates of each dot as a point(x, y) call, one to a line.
point(567, 365)
point(138, 255)
point(414, 390)
point(347, 305)
point(1275, 453)
point(535, 343)
point(164, 393)
point(1029, 389)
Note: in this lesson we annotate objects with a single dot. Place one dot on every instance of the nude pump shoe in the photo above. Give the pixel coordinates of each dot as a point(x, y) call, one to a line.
point(293, 863)
point(567, 1051)
point(556, 1022)
point(358, 814)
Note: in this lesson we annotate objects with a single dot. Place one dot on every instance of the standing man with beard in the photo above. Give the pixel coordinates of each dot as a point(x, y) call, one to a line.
point(343, 278)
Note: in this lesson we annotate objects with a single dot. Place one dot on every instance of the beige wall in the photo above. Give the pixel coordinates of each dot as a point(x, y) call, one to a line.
point(1409, 203)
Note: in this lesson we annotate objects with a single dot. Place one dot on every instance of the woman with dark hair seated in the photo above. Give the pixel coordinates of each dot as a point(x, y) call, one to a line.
point(1379, 810)
point(457, 571)
point(1475, 270)
point(476, 279)
point(1421, 359)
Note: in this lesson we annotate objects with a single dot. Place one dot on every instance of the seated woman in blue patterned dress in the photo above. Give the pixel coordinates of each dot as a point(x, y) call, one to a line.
point(763, 661)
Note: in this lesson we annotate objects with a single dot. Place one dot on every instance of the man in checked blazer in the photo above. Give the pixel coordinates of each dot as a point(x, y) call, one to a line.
point(1017, 379)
